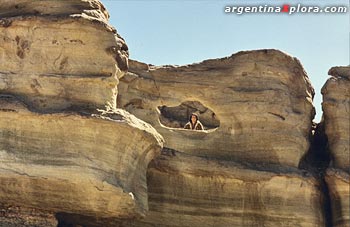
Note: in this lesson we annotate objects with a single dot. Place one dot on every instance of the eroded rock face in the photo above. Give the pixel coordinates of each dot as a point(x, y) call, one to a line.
point(339, 189)
point(14, 216)
point(60, 54)
point(52, 161)
point(191, 191)
point(336, 107)
point(262, 99)
point(64, 147)
point(67, 153)
point(177, 116)
point(336, 118)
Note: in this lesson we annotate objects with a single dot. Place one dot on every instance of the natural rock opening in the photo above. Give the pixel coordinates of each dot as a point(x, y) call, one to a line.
point(178, 116)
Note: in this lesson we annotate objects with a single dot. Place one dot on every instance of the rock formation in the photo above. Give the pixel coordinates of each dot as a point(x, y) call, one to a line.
point(69, 157)
point(262, 99)
point(64, 158)
point(60, 54)
point(191, 191)
point(64, 147)
point(257, 108)
point(15, 216)
point(336, 114)
point(339, 190)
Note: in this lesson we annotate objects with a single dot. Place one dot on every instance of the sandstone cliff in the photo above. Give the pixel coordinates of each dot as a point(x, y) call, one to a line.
point(261, 99)
point(63, 57)
point(257, 109)
point(54, 160)
point(336, 107)
point(339, 191)
point(192, 191)
point(70, 158)
point(64, 147)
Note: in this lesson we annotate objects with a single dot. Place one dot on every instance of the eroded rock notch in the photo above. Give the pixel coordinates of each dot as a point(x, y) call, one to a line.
point(178, 116)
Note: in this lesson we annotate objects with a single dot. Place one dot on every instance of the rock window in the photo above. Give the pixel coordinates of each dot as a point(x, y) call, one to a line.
point(178, 116)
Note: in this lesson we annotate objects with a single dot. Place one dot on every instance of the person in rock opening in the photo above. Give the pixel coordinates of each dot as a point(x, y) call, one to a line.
point(194, 123)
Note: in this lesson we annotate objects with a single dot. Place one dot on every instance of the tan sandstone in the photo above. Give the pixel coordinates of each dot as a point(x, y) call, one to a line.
point(69, 157)
point(191, 191)
point(65, 57)
point(339, 189)
point(64, 147)
point(336, 114)
point(262, 99)
point(89, 164)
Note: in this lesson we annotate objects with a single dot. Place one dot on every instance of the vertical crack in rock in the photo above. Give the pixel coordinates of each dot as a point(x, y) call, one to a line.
point(316, 161)
point(327, 206)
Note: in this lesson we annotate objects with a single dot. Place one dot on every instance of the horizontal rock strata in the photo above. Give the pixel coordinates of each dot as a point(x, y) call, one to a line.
point(191, 191)
point(89, 164)
point(262, 99)
point(60, 54)
point(336, 114)
point(336, 118)
point(64, 147)
point(68, 157)
point(339, 189)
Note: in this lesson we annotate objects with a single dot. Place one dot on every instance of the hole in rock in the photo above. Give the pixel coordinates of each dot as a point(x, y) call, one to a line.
point(178, 116)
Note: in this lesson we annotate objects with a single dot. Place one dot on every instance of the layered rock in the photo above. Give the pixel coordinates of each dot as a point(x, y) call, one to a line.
point(192, 191)
point(56, 160)
point(67, 153)
point(64, 147)
point(261, 99)
point(339, 190)
point(336, 114)
point(60, 54)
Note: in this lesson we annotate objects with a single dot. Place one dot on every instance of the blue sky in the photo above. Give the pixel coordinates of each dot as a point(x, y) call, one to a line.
point(181, 32)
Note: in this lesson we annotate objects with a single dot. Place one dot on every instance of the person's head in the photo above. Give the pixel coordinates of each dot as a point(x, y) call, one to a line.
point(193, 118)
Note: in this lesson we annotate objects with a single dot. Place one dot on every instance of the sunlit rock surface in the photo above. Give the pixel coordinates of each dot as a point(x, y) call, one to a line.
point(339, 190)
point(90, 164)
point(336, 117)
point(262, 99)
point(192, 191)
point(64, 147)
point(68, 157)
point(60, 54)
point(336, 107)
